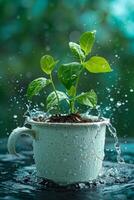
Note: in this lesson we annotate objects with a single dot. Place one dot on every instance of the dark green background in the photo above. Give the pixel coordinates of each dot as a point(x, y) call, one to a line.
point(32, 28)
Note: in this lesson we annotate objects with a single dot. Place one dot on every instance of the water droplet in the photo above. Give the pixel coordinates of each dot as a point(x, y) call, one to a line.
point(47, 48)
point(15, 116)
point(111, 99)
point(117, 56)
point(65, 159)
point(42, 104)
point(108, 108)
point(118, 104)
point(108, 89)
point(118, 92)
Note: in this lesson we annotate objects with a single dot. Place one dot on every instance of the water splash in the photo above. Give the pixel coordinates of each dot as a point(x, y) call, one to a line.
point(35, 112)
point(109, 177)
point(113, 132)
point(94, 112)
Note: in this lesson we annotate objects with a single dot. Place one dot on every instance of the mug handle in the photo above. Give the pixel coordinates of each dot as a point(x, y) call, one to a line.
point(14, 136)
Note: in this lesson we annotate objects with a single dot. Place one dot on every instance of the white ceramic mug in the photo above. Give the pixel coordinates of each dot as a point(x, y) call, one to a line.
point(65, 152)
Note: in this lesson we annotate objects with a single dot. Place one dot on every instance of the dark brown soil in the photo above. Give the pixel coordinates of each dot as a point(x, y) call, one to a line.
point(71, 118)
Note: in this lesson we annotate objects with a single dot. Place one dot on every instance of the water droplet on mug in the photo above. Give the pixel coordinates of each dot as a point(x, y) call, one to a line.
point(65, 159)
point(75, 174)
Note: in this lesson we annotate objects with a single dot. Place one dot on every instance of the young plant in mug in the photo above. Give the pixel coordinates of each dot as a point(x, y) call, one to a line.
point(69, 75)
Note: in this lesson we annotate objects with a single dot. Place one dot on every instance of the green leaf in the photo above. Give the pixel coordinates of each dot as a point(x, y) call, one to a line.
point(52, 100)
point(97, 64)
point(87, 98)
point(77, 51)
point(36, 86)
point(47, 64)
point(72, 91)
point(86, 41)
point(68, 73)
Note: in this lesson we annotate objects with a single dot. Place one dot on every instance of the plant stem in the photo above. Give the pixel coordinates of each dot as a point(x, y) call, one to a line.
point(72, 108)
point(55, 93)
point(72, 102)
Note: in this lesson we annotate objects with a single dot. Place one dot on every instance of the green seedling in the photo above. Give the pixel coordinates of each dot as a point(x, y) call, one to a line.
point(69, 75)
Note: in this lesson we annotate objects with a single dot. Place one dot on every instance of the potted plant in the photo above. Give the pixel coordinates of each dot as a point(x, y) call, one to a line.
point(68, 148)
